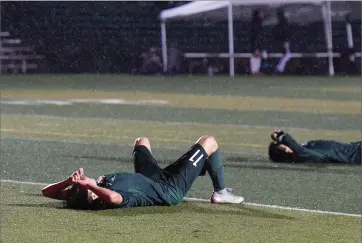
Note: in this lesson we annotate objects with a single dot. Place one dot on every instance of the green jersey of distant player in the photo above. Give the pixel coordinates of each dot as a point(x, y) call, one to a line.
point(286, 149)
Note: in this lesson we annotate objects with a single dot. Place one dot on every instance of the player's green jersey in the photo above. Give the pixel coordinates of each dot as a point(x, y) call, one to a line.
point(151, 185)
point(324, 151)
point(137, 190)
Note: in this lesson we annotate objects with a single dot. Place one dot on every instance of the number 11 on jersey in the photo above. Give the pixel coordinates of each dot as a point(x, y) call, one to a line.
point(192, 159)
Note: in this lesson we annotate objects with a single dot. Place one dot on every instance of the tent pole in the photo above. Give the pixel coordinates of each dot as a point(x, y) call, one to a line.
point(331, 66)
point(231, 40)
point(327, 19)
point(349, 34)
point(164, 45)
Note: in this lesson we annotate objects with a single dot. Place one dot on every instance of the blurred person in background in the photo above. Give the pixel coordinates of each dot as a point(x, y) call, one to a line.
point(348, 57)
point(255, 63)
point(282, 36)
point(151, 63)
point(198, 66)
point(175, 57)
point(256, 29)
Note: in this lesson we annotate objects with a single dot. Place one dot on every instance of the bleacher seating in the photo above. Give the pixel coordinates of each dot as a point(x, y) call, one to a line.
point(16, 57)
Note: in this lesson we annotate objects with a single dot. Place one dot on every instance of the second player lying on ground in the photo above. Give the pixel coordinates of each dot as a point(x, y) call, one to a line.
point(286, 149)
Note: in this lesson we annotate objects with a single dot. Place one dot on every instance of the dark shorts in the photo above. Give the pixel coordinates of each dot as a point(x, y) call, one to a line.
point(355, 151)
point(178, 176)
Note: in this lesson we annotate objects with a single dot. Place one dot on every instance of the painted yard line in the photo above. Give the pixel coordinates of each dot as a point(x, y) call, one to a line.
point(87, 136)
point(103, 143)
point(23, 182)
point(62, 102)
point(306, 105)
point(208, 200)
point(108, 120)
point(4, 137)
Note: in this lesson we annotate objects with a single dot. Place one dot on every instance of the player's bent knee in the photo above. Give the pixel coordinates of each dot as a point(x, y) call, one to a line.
point(142, 141)
point(208, 143)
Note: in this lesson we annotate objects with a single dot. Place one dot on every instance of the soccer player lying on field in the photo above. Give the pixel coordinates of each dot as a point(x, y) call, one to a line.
point(149, 185)
point(285, 149)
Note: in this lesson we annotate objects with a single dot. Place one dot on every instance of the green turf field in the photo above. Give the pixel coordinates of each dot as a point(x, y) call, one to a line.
point(51, 125)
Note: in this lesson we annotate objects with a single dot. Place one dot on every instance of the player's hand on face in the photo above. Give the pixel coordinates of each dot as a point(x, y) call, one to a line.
point(275, 133)
point(84, 181)
point(277, 130)
point(78, 174)
point(74, 176)
point(274, 136)
point(79, 180)
point(81, 171)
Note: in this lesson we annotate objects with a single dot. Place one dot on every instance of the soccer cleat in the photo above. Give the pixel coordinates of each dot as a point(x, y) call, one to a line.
point(226, 196)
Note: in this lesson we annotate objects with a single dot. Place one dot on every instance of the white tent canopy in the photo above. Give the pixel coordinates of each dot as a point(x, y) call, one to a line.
point(301, 11)
point(205, 8)
point(305, 11)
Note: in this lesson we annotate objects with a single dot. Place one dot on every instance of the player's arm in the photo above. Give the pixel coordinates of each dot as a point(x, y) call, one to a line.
point(281, 137)
point(59, 190)
point(103, 194)
point(106, 195)
point(303, 153)
point(289, 141)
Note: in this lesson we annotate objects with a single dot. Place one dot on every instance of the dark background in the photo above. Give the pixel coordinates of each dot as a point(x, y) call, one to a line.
point(106, 37)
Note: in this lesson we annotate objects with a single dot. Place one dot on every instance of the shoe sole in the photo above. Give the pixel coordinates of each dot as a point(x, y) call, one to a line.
point(216, 202)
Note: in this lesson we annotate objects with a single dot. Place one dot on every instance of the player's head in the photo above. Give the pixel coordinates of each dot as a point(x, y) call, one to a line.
point(257, 52)
point(280, 153)
point(80, 197)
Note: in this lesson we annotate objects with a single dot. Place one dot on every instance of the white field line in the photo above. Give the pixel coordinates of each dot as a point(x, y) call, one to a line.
point(283, 207)
point(172, 123)
point(62, 102)
point(208, 200)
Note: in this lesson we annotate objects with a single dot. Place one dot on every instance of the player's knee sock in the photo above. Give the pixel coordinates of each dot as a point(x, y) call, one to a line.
point(216, 170)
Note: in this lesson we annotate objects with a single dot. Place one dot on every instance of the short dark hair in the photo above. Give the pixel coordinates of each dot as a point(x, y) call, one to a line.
point(78, 198)
point(277, 155)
